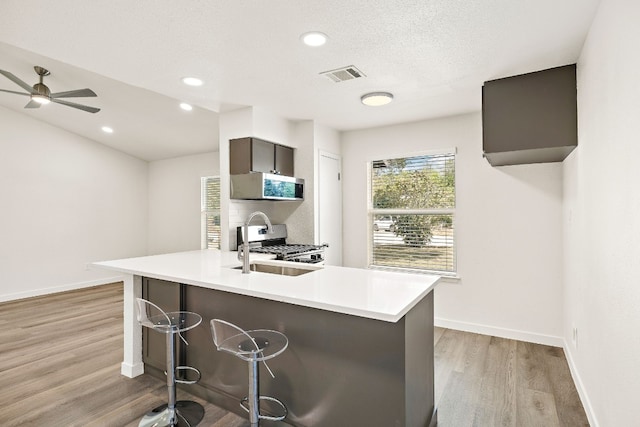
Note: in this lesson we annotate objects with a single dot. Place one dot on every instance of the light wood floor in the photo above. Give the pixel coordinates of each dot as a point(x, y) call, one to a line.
point(60, 366)
point(488, 381)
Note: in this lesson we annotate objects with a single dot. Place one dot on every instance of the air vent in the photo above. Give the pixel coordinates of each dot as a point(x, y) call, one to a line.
point(343, 74)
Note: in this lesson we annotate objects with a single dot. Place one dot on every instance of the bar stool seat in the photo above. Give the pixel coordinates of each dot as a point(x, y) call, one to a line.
point(173, 413)
point(252, 346)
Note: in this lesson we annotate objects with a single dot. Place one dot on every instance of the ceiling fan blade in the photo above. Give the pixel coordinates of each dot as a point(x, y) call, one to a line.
point(32, 104)
point(80, 93)
point(12, 91)
point(74, 105)
point(17, 81)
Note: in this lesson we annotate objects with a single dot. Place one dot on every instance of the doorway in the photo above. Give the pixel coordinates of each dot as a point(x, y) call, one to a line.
point(330, 206)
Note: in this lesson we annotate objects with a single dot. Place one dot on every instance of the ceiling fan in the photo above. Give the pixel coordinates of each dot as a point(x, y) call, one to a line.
point(40, 93)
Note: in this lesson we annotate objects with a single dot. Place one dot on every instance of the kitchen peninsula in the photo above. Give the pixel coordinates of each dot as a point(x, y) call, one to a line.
point(360, 341)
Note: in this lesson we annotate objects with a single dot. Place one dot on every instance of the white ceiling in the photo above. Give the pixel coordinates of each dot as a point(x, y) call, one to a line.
point(433, 55)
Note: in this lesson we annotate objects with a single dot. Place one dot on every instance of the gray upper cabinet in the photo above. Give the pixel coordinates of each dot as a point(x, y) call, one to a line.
point(530, 118)
point(257, 155)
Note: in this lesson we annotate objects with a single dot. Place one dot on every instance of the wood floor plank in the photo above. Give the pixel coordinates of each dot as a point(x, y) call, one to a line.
point(446, 349)
point(531, 369)
point(437, 333)
point(497, 402)
point(460, 396)
point(472, 360)
point(570, 410)
point(536, 408)
point(457, 404)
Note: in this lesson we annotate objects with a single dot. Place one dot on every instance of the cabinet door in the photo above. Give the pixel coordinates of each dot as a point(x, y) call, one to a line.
point(240, 156)
point(284, 160)
point(262, 155)
point(165, 295)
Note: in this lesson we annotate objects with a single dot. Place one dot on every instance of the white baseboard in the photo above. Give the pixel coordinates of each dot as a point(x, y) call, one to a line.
point(500, 332)
point(582, 392)
point(56, 289)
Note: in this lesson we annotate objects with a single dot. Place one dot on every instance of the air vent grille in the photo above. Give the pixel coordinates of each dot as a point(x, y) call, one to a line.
point(343, 74)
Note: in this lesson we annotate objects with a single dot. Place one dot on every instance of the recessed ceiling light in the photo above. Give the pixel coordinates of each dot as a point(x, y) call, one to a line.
point(376, 99)
point(185, 106)
point(314, 38)
point(107, 129)
point(192, 81)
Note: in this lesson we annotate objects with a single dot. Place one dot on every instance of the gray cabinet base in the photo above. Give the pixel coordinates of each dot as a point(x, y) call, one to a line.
point(339, 370)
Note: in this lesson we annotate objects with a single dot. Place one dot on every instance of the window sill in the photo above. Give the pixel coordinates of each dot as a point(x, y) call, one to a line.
point(446, 277)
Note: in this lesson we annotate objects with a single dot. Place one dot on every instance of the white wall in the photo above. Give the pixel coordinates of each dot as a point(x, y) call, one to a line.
point(300, 219)
point(508, 227)
point(601, 220)
point(66, 201)
point(174, 202)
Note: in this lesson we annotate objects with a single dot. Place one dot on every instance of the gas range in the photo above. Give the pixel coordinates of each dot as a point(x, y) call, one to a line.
point(260, 241)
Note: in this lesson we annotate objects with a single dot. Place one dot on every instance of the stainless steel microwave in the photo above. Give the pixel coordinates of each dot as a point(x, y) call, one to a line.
point(266, 186)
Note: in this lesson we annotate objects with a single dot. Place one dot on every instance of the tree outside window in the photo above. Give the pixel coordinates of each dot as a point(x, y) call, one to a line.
point(412, 212)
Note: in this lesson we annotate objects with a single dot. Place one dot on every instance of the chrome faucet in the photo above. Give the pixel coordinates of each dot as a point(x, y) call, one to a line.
point(243, 251)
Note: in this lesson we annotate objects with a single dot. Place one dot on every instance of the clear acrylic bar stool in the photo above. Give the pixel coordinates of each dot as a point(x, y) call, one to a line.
point(173, 413)
point(252, 346)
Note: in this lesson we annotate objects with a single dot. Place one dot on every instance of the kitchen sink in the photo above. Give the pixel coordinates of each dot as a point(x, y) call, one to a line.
point(283, 270)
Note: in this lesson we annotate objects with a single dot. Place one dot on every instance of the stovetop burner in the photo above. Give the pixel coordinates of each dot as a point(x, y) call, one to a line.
point(286, 249)
point(261, 241)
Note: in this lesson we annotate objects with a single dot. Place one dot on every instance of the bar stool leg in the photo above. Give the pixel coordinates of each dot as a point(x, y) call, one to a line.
point(254, 384)
point(171, 378)
point(173, 413)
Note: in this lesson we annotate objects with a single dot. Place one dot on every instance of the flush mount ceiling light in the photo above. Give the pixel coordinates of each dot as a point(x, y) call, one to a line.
point(314, 38)
point(376, 99)
point(107, 129)
point(192, 81)
point(185, 106)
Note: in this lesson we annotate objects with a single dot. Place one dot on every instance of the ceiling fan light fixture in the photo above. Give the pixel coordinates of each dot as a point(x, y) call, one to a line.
point(39, 93)
point(192, 81)
point(376, 99)
point(314, 38)
point(185, 106)
point(40, 99)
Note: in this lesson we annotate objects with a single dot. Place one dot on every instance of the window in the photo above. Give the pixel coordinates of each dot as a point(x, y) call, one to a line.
point(210, 210)
point(412, 213)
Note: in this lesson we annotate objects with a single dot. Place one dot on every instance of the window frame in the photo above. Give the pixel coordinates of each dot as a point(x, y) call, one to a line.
point(373, 212)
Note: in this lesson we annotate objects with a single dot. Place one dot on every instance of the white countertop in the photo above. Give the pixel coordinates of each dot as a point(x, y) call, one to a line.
point(373, 294)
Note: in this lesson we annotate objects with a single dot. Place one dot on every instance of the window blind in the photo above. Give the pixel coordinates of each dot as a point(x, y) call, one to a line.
point(412, 213)
point(210, 209)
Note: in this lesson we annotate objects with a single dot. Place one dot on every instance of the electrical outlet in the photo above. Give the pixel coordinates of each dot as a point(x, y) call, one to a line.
point(574, 336)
